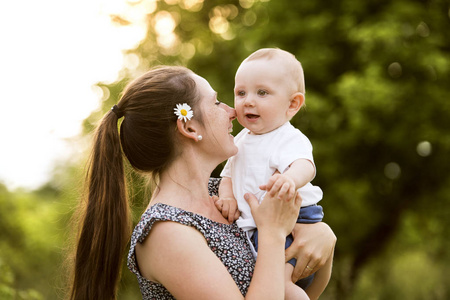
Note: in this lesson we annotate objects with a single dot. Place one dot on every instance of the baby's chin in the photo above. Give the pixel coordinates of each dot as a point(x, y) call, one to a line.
point(259, 132)
point(263, 131)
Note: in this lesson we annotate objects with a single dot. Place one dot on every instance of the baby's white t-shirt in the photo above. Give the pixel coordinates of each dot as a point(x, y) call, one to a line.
point(259, 156)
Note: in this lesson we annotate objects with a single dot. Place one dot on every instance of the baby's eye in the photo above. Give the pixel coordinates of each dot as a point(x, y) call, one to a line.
point(240, 93)
point(262, 93)
point(218, 102)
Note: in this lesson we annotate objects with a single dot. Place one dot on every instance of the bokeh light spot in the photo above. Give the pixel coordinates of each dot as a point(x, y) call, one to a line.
point(423, 30)
point(424, 148)
point(395, 70)
point(164, 23)
point(187, 50)
point(192, 5)
point(249, 18)
point(246, 3)
point(392, 170)
point(131, 61)
point(172, 2)
point(218, 24)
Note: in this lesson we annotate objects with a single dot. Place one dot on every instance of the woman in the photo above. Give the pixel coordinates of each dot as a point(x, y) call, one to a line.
point(175, 129)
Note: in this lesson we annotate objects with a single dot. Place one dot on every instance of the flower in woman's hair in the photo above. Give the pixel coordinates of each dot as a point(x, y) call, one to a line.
point(183, 112)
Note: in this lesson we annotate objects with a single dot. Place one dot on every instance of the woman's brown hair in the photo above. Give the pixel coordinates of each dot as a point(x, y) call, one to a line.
point(147, 140)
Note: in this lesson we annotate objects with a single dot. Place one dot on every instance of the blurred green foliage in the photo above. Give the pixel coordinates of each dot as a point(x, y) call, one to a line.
point(377, 112)
point(29, 246)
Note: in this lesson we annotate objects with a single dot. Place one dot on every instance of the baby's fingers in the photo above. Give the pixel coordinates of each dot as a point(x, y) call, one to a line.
point(269, 185)
point(225, 209)
point(276, 189)
point(232, 212)
point(237, 214)
point(286, 192)
point(218, 204)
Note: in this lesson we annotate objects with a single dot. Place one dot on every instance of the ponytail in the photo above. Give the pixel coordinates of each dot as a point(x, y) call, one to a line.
point(147, 141)
point(105, 223)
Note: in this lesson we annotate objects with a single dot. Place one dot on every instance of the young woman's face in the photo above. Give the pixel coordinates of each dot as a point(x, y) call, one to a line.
point(217, 121)
point(262, 94)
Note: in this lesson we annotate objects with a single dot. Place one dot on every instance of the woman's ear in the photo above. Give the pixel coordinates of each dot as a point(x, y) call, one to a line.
point(295, 103)
point(188, 129)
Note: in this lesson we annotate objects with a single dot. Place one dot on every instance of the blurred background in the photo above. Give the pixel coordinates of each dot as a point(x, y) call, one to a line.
point(377, 113)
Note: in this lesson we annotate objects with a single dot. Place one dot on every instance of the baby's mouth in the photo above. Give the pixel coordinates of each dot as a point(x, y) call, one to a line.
point(251, 116)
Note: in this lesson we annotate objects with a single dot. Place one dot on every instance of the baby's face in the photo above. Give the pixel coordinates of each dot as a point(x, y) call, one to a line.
point(262, 94)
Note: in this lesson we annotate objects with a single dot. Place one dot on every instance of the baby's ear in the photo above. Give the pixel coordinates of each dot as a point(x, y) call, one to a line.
point(295, 103)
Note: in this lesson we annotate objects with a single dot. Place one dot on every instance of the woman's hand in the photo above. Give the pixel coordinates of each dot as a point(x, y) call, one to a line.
point(280, 185)
point(274, 214)
point(275, 219)
point(313, 245)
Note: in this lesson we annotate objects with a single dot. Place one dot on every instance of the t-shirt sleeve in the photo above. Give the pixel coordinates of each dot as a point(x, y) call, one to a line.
point(289, 149)
point(226, 172)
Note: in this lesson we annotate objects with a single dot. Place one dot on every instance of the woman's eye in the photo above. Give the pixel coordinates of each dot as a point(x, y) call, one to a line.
point(262, 93)
point(218, 102)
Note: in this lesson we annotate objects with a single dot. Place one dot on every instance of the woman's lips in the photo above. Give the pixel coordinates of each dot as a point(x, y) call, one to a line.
point(230, 130)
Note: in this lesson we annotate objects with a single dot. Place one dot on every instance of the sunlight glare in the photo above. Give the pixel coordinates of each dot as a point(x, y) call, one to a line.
point(164, 23)
point(192, 5)
point(131, 61)
point(172, 2)
point(53, 53)
point(218, 24)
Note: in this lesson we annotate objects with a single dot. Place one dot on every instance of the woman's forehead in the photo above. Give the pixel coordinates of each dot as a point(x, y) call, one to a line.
point(204, 87)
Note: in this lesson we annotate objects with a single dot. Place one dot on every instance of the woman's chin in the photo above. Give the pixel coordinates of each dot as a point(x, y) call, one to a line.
point(230, 151)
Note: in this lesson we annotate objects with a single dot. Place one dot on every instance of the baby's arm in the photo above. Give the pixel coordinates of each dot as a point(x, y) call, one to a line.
point(300, 172)
point(226, 203)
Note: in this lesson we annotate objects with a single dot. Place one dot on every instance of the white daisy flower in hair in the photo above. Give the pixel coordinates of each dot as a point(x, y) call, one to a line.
point(183, 112)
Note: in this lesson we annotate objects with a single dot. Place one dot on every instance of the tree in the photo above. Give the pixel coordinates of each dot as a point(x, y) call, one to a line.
point(377, 113)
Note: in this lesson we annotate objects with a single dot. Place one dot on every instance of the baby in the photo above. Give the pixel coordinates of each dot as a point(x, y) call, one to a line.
point(274, 157)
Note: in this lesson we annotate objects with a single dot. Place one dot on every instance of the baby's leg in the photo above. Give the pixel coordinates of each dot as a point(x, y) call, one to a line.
point(320, 282)
point(292, 291)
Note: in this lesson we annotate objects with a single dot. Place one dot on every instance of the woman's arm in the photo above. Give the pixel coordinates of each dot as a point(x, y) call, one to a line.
point(275, 219)
point(313, 245)
point(179, 258)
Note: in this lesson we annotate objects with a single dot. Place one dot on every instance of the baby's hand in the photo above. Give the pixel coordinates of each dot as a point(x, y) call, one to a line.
point(228, 207)
point(280, 185)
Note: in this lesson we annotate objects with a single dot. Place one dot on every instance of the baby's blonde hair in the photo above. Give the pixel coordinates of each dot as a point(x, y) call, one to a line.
point(292, 64)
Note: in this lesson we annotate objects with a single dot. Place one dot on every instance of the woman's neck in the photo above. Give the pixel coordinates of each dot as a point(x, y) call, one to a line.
point(184, 183)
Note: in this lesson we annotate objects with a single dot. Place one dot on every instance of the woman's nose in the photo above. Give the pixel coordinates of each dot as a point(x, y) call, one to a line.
point(231, 112)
